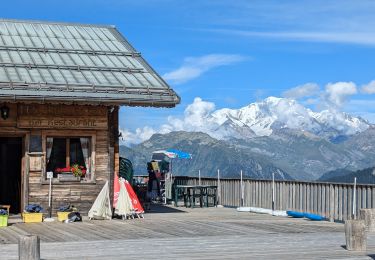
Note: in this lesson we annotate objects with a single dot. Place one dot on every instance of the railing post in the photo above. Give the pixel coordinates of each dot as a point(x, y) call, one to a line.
point(354, 212)
point(218, 189)
point(29, 247)
point(368, 216)
point(331, 203)
point(273, 191)
point(355, 235)
point(242, 192)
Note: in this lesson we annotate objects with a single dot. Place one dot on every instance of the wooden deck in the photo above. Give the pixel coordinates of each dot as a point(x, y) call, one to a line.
point(169, 233)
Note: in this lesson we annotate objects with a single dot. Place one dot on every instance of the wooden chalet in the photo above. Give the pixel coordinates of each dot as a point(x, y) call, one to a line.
point(61, 86)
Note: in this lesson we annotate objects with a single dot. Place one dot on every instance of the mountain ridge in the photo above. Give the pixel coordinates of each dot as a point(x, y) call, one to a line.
point(204, 149)
point(276, 113)
point(276, 134)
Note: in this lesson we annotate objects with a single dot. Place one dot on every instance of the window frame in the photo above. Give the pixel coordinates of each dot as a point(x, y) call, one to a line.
point(69, 134)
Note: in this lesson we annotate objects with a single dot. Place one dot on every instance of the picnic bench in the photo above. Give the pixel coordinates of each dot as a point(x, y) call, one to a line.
point(190, 193)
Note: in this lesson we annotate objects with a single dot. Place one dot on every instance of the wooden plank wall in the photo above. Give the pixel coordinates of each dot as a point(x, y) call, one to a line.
point(333, 201)
point(81, 195)
point(27, 119)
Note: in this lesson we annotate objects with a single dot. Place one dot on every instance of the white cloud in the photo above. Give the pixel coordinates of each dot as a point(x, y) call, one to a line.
point(140, 135)
point(302, 91)
point(360, 38)
point(369, 88)
point(336, 94)
point(201, 116)
point(196, 118)
point(193, 67)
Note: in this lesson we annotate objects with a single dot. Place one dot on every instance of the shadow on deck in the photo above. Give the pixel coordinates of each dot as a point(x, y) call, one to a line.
point(160, 208)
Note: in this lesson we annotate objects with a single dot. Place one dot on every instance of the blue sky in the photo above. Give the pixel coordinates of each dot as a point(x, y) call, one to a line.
point(233, 53)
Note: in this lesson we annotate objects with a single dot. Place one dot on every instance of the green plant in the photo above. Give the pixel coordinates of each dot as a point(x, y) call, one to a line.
point(76, 170)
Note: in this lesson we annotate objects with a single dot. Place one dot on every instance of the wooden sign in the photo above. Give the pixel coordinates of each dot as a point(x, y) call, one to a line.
point(31, 110)
point(35, 162)
point(63, 123)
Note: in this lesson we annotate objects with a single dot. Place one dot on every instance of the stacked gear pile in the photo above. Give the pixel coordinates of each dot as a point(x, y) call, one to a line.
point(160, 173)
point(157, 171)
point(33, 208)
point(67, 208)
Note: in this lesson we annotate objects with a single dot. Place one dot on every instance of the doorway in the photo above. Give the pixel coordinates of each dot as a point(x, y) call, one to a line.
point(10, 172)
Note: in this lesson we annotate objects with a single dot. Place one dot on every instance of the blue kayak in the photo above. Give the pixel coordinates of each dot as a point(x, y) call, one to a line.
point(295, 214)
point(313, 217)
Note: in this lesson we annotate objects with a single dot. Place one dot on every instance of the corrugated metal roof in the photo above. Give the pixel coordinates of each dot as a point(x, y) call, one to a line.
point(45, 61)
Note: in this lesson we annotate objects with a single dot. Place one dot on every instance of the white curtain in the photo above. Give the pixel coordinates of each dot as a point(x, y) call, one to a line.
point(85, 145)
point(49, 145)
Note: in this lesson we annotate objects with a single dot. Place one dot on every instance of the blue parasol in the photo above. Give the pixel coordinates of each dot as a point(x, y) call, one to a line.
point(179, 154)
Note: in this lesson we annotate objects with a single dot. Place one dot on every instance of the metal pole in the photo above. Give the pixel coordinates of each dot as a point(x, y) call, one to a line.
point(199, 177)
point(218, 188)
point(242, 192)
point(273, 191)
point(49, 197)
point(165, 182)
point(355, 198)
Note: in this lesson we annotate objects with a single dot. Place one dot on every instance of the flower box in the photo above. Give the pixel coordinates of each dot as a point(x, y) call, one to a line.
point(32, 217)
point(67, 177)
point(3, 220)
point(72, 173)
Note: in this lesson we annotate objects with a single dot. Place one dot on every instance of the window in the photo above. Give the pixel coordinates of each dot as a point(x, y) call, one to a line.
point(63, 153)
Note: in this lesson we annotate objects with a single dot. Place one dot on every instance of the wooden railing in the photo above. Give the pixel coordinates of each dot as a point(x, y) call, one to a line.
point(333, 201)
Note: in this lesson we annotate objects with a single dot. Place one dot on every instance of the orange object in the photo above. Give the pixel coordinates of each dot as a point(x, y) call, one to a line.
point(134, 199)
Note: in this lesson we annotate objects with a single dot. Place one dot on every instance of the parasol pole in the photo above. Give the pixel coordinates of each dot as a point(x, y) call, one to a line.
point(165, 182)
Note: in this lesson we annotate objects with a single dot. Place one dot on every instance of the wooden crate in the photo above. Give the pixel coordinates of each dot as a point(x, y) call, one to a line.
point(32, 217)
point(3, 220)
point(61, 216)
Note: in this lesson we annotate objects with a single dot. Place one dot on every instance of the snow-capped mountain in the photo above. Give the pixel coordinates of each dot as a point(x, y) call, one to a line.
point(276, 135)
point(271, 114)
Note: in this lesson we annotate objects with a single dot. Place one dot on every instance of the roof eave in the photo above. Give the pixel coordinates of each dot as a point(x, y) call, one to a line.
point(167, 102)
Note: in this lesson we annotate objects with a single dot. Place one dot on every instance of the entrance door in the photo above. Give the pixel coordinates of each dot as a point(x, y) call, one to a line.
point(10, 172)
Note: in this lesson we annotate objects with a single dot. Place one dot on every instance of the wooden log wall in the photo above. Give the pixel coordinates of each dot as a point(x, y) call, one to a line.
point(98, 122)
point(333, 201)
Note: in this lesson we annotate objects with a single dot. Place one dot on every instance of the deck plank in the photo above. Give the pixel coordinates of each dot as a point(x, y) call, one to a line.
point(213, 233)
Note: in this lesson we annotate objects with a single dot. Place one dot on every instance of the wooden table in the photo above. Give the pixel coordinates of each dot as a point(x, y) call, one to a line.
point(190, 192)
point(7, 207)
